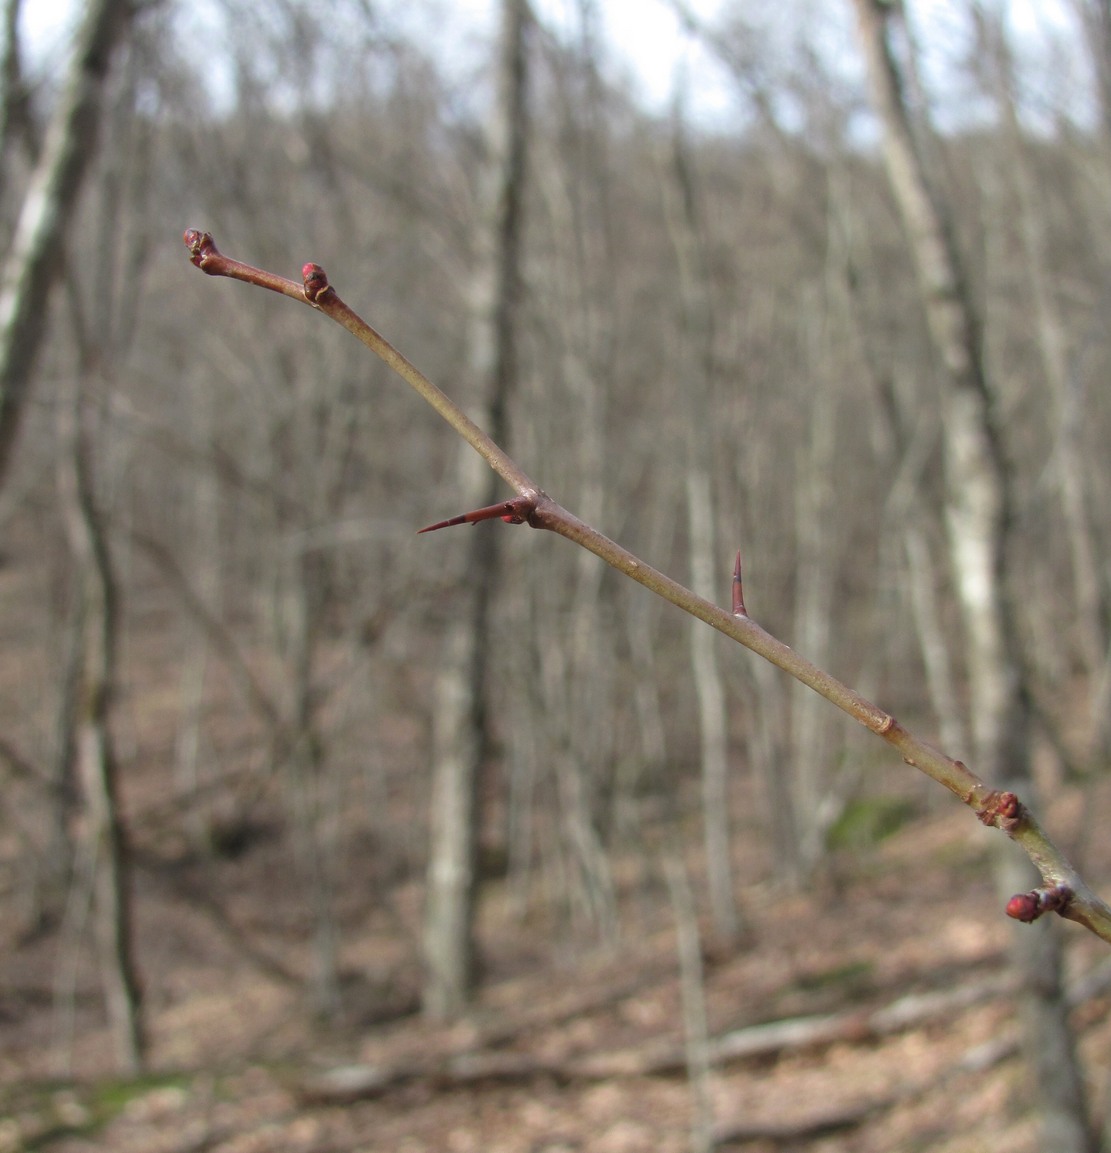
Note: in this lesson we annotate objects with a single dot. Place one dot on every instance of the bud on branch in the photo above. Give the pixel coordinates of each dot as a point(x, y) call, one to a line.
point(1064, 891)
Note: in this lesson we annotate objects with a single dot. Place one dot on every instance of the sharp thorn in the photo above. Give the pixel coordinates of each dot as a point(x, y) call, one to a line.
point(443, 524)
point(738, 590)
point(514, 511)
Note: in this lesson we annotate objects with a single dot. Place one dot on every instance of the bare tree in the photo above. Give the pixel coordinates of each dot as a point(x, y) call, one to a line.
point(1058, 366)
point(697, 326)
point(461, 740)
point(102, 324)
point(34, 258)
point(572, 666)
point(1095, 19)
point(979, 503)
point(17, 126)
point(102, 858)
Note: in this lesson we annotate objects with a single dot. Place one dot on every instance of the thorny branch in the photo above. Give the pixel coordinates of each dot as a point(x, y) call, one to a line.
point(1063, 890)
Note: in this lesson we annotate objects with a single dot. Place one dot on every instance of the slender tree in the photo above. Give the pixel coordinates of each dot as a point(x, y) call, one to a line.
point(461, 734)
point(1095, 19)
point(34, 259)
point(978, 506)
point(17, 128)
point(698, 329)
point(103, 855)
point(1058, 367)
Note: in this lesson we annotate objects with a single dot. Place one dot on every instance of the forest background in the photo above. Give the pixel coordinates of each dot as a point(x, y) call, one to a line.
point(213, 595)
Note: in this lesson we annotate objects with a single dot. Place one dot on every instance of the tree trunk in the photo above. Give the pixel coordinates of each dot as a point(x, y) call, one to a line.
point(457, 746)
point(461, 737)
point(1089, 602)
point(816, 805)
point(905, 449)
point(34, 260)
point(1095, 16)
point(697, 322)
point(16, 122)
point(102, 839)
point(311, 792)
point(978, 498)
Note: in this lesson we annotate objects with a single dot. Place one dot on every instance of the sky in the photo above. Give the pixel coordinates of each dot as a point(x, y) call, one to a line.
point(645, 43)
point(645, 38)
point(649, 25)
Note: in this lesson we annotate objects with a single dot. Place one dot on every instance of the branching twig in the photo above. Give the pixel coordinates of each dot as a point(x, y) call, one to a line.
point(1063, 891)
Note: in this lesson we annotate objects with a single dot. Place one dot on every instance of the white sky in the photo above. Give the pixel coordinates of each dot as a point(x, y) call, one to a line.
point(43, 22)
point(642, 35)
point(643, 39)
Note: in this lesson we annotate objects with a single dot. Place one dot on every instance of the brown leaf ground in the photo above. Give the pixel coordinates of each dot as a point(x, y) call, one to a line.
point(222, 948)
point(231, 1045)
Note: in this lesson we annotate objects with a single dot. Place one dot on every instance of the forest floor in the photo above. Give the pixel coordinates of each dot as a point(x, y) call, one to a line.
point(572, 1049)
point(871, 1014)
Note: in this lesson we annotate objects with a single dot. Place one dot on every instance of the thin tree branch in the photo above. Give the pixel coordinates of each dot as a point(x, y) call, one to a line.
point(1064, 891)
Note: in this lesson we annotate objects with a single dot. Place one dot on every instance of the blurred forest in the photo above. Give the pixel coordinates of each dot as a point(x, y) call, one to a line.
point(235, 684)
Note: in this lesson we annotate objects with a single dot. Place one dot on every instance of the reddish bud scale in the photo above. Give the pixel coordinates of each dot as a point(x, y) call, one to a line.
point(1003, 810)
point(1030, 906)
point(315, 280)
point(1024, 907)
point(201, 246)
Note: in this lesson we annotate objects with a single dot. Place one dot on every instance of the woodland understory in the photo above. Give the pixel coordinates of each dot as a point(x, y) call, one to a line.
point(262, 743)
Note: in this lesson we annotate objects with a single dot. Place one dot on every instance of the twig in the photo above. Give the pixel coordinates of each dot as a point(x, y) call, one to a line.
point(1063, 890)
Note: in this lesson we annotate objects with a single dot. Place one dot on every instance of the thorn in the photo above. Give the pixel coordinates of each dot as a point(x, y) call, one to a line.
point(515, 511)
point(739, 609)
